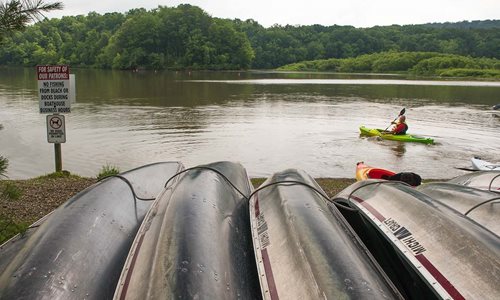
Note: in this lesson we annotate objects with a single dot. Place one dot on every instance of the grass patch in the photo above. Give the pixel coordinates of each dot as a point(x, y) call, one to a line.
point(9, 228)
point(108, 170)
point(55, 175)
point(11, 191)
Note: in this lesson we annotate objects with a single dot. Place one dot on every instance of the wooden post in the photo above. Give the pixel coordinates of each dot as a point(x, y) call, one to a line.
point(58, 158)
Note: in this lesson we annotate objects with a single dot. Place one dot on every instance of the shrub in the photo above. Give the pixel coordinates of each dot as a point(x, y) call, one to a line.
point(107, 170)
point(432, 65)
point(329, 64)
point(361, 63)
point(489, 73)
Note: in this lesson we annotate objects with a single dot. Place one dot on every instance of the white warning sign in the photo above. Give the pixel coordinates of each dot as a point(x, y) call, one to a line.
point(54, 89)
point(56, 131)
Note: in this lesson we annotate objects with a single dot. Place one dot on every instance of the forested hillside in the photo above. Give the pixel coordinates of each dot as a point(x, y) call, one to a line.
point(186, 37)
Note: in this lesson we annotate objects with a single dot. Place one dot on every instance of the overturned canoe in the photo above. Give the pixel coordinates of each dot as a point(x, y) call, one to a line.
point(479, 205)
point(79, 250)
point(427, 249)
point(195, 242)
point(394, 137)
point(484, 180)
point(305, 250)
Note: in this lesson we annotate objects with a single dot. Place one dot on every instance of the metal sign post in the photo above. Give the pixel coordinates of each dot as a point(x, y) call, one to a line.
point(58, 157)
point(55, 95)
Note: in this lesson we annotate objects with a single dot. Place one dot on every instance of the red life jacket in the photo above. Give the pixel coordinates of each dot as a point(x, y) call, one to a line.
point(401, 128)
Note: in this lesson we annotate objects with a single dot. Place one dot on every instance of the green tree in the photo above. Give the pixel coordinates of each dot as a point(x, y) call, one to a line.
point(15, 15)
point(135, 40)
point(230, 48)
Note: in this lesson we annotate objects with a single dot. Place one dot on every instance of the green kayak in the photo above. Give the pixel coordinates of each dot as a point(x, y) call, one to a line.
point(400, 137)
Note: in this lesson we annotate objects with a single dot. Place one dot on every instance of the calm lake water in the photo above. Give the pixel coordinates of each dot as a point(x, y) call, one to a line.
point(268, 121)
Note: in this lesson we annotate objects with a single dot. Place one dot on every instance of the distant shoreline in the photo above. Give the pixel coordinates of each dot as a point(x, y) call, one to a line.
point(411, 64)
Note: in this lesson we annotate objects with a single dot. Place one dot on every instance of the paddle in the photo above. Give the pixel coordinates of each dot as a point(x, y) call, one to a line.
point(402, 112)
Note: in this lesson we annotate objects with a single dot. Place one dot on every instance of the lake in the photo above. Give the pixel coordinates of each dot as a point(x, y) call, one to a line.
point(268, 121)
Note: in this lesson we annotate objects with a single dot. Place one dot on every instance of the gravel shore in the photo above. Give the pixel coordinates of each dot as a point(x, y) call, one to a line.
point(39, 196)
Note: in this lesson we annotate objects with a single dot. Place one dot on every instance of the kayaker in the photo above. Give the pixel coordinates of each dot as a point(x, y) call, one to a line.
point(401, 126)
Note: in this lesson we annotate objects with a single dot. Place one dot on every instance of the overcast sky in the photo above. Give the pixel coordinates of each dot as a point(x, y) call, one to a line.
point(359, 13)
